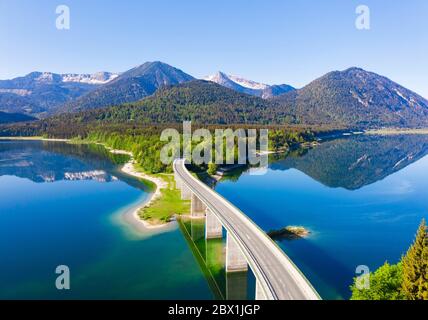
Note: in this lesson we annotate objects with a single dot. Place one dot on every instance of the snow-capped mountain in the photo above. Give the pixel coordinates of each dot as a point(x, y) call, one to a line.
point(248, 86)
point(248, 83)
point(224, 80)
point(37, 78)
point(130, 86)
point(41, 93)
point(95, 78)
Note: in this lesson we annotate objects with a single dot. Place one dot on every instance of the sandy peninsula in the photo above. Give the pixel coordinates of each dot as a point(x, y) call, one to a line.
point(130, 216)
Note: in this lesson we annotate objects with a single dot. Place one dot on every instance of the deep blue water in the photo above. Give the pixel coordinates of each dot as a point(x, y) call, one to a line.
point(50, 216)
point(362, 198)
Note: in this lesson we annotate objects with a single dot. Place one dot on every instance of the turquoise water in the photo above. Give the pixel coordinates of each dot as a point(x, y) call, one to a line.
point(361, 197)
point(59, 205)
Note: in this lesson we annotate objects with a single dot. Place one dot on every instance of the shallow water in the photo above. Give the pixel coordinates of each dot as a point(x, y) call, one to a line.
point(361, 197)
point(58, 206)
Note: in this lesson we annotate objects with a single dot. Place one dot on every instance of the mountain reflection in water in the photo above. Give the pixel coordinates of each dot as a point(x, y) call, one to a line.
point(353, 163)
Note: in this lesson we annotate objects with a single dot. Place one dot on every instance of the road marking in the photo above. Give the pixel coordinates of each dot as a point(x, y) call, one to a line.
point(268, 260)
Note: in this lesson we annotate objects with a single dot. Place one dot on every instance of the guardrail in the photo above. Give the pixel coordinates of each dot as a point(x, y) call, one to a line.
point(308, 292)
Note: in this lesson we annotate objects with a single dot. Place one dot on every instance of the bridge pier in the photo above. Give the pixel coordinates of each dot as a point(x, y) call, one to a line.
point(276, 277)
point(260, 295)
point(178, 182)
point(186, 193)
point(196, 229)
point(235, 260)
point(236, 285)
point(197, 207)
point(213, 226)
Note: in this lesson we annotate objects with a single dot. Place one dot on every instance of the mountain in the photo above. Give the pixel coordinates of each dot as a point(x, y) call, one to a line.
point(200, 101)
point(159, 93)
point(6, 117)
point(355, 162)
point(356, 98)
point(248, 86)
point(95, 78)
point(41, 93)
point(130, 86)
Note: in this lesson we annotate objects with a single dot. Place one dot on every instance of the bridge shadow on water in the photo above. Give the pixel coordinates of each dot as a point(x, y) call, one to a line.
point(210, 256)
point(324, 268)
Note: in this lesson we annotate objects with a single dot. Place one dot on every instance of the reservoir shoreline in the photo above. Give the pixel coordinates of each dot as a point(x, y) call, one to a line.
point(131, 217)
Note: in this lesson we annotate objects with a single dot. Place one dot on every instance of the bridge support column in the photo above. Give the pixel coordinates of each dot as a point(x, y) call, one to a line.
point(236, 285)
point(197, 229)
point(178, 182)
point(213, 226)
point(260, 295)
point(186, 194)
point(197, 207)
point(235, 260)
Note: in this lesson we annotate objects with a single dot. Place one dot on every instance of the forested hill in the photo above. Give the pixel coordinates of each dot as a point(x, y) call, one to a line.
point(200, 101)
point(353, 98)
point(356, 98)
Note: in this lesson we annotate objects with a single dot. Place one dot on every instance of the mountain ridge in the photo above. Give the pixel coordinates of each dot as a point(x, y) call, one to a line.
point(132, 85)
point(250, 87)
point(356, 97)
point(352, 98)
point(40, 93)
point(200, 101)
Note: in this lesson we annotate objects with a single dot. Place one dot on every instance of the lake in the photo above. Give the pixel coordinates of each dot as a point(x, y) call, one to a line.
point(362, 198)
point(58, 206)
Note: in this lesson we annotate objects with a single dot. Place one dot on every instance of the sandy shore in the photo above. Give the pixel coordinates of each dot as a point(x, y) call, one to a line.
point(129, 169)
point(387, 132)
point(130, 220)
point(34, 139)
point(130, 216)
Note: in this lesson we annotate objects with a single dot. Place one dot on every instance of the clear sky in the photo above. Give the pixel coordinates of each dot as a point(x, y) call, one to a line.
point(272, 41)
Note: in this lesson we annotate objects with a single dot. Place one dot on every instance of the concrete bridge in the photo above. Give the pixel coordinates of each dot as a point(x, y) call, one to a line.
point(277, 278)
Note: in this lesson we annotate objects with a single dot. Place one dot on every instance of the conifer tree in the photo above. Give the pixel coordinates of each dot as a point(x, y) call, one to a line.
point(415, 267)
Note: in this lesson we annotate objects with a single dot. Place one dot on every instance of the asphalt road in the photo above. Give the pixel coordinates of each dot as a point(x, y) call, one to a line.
point(277, 275)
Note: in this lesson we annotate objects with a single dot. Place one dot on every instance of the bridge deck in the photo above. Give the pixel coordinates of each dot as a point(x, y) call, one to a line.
point(279, 278)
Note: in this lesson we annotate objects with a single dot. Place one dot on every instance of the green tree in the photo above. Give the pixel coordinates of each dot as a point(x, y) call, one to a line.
point(415, 267)
point(212, 168)
point(385, 284)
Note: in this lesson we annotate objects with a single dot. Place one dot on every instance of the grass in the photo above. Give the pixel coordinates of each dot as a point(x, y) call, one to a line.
point(168, 204)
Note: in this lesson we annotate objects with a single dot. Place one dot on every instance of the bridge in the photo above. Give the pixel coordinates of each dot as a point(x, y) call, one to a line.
point(277, 278)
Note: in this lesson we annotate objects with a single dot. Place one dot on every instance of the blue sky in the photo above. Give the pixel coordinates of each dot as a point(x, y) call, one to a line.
point(272, 41)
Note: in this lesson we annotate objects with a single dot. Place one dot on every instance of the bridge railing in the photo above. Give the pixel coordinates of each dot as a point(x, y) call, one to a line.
point(292, 269)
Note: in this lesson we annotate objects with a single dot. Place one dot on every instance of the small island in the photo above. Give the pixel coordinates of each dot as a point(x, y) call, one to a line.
point(289, 233)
